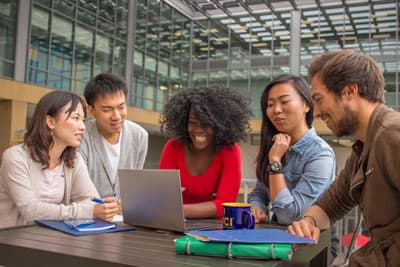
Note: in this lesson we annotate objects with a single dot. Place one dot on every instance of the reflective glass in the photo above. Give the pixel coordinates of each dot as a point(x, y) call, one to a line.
point(36, 76)
point(43, 2)
point(59, 82)
point(103, 60)
point(119, 58)
point(61, 46)
point(86, 17)
point(39, 41)
point(122, 19)
point(83, 54)
point(65, 7)
point(8, 16)
point(6, 69)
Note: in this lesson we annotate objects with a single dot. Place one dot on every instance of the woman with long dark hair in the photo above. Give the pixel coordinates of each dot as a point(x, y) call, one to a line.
point(294, 165)
point(45, 177)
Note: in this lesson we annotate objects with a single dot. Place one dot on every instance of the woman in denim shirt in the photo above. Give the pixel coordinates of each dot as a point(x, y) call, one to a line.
point(294, 165)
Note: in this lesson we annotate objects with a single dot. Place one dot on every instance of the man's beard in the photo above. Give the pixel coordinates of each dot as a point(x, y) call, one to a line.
point(348, 124)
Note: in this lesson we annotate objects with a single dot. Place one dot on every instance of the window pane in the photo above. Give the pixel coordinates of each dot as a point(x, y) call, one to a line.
point(64, 7)
point(61, 46)
point(119, 59)
point(86, 17)
point(103, 54)
point(6, 69)
point(60, 82)
point(83, 54)
point(37, 76)
point(39, 46)
point(8, 16)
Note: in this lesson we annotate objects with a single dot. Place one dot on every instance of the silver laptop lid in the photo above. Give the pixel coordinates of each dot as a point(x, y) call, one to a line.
point(152, 198)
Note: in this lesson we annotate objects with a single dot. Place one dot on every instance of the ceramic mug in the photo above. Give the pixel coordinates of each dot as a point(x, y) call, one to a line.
point(237, 215)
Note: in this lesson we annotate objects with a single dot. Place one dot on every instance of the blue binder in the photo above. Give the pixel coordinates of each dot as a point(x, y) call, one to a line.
point(61, 226)
point(273, 236)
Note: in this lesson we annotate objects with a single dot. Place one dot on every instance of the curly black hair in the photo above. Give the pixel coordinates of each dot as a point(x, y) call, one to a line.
point(225, 110)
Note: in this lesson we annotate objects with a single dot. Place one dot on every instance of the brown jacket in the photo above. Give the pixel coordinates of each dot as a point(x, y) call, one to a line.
point(371, 180)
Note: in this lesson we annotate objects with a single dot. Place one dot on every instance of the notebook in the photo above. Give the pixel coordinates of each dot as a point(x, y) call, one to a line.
point(252, 236)
point(89, 225)
point(153, 198)
point(63, 227)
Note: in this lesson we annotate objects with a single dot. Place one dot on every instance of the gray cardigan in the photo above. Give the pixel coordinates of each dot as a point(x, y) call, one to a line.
point(20, 179)
point(134, 141)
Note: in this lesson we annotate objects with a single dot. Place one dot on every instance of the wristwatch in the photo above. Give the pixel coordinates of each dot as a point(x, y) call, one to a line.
point(275, 167)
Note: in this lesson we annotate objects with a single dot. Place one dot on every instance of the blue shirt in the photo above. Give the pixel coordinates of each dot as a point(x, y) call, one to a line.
point(309, 170)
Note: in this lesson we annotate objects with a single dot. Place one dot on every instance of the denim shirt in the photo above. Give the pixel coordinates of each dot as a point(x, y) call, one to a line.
point(309, 170)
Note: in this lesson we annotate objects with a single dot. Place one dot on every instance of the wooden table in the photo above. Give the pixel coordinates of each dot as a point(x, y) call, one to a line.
point(39, 246)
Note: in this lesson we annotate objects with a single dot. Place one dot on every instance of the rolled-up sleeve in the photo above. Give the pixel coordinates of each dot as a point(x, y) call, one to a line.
point(319, 171)
point(259, 197)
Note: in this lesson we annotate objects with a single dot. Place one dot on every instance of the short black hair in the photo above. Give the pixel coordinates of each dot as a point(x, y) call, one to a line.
point(104, 84)
point(225, 110)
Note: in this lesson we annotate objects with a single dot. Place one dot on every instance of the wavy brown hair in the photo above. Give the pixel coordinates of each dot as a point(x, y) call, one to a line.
point(38, 138)
point(340, 68)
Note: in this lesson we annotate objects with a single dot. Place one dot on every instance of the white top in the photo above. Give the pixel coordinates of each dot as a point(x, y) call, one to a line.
point(52, 186)
point(20, 184)
point(113, 152)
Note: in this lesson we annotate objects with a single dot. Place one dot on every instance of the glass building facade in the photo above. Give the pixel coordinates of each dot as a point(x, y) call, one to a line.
point(158, 48)
point(8, 23)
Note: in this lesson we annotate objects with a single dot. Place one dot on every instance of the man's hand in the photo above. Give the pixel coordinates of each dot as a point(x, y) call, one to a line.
point(259, 215)
point(305, 228)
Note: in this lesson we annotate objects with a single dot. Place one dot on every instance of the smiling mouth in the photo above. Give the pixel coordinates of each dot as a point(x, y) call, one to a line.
point(200, 138)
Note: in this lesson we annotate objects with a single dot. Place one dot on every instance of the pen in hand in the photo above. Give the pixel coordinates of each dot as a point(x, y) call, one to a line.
point(98, 200)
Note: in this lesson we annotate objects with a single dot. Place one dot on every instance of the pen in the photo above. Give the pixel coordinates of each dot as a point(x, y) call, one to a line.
point(98, 200)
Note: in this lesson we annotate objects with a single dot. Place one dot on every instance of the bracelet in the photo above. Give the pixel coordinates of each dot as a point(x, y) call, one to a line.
point(314, 222)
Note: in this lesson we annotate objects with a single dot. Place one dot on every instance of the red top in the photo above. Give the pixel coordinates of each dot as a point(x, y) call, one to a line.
point(220, 183)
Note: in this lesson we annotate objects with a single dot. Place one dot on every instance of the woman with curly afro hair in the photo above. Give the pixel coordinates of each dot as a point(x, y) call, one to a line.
point(205, 125)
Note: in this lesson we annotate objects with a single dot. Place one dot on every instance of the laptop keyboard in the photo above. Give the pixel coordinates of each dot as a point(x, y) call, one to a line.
point(201, 225)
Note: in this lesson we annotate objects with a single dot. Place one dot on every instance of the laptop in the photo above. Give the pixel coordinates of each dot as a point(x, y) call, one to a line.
point(153, 198)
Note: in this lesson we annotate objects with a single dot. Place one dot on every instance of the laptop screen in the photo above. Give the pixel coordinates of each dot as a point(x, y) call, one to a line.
point(152, 198)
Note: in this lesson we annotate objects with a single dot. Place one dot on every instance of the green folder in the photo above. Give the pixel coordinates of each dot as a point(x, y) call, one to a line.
point(191, 246)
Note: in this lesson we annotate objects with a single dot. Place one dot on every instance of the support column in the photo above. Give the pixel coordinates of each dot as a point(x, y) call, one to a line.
point(130, 44)
point(13, 123)
point(295, 31)
point(22, 39)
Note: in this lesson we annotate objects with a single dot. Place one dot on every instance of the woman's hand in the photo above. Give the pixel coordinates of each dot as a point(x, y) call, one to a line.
point(279, 148)
point(107, 211)
point(259, 215)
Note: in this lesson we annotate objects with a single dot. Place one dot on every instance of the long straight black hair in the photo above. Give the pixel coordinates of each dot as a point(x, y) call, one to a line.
point(268, 130)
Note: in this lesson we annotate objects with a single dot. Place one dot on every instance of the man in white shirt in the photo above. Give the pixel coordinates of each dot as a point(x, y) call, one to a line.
point(110, 142)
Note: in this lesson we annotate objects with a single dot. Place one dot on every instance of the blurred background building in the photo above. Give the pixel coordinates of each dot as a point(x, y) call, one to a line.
point(160, 47)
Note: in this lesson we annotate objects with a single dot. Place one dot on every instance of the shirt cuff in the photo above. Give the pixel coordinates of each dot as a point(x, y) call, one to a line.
point(283, 198)
point(256, 204)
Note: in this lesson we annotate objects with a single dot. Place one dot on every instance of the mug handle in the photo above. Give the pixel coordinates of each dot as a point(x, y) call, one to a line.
point(251, 222)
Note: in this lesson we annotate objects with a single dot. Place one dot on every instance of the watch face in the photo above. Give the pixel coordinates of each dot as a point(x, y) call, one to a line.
point(275, 167)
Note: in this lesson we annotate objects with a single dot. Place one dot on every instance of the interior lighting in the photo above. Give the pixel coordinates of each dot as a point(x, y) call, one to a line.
point(378, 15)
point(381, 36)
point(259, 44)
point(321, 40)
